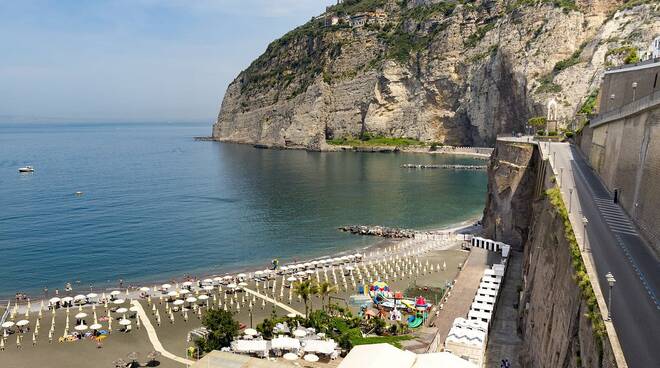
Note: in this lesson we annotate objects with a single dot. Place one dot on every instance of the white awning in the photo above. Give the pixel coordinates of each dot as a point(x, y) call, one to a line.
point(248, 346)
point(285, 343)
point(320, 346)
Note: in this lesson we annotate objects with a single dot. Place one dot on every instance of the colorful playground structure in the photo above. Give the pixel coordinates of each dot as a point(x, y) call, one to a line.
point(394, 305)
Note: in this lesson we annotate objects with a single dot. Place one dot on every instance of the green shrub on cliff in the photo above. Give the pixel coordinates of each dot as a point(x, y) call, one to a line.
point(579, 270)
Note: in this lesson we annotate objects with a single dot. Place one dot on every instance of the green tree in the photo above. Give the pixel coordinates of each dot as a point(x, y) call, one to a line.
point(305, 290)
point(222, 329)
point(324, 290)
point(538, 122)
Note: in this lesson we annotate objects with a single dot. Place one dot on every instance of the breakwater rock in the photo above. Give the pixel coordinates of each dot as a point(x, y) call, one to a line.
point(385, 232)
point(451, 167)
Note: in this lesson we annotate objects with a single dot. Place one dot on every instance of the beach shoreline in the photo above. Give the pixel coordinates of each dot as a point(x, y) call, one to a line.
point(465, 226)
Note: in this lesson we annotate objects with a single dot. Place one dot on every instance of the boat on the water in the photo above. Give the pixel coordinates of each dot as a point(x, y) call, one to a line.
point(26, 169)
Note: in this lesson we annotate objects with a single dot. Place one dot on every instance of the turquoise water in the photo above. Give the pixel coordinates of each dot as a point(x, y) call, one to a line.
point(157, 204)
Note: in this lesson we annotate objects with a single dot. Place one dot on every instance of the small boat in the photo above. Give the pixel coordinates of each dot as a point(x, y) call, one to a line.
point(26, 169)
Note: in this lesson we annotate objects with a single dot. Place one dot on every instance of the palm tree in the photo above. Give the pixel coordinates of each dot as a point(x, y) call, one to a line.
point(324, 290)
point(305, 289)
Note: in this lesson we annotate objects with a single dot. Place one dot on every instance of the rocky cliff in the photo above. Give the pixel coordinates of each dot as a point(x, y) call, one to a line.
point(558, 319)
point(454, 72)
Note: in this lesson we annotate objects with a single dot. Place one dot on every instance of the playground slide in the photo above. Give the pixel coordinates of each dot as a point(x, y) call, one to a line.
point(416, 322)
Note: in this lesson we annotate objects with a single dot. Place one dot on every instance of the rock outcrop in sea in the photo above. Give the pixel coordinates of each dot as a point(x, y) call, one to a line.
point(452, 72)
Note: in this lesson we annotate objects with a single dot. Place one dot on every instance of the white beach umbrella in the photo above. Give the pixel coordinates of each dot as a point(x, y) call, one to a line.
point(121, 310)
point(81, 315)
point(92, 295)
point(23, 322)
point(81, 327)
point(133, 309)
point(191, 299)
point(7, 324)
point(241, 275)
point(207, 287)
point(178, 302)
point(292, 279)
point(290, 356)
point(311, 358)
point(187, 283)
point(203, 297)
point(184, 291)
point(54, 300)
point(79, 297)
point(119, 301)
point(232, 286)
point(172, 293)
point(124, 322)
point(144, 289)
point(115, 292)
point(95, 326)
point(165, 286)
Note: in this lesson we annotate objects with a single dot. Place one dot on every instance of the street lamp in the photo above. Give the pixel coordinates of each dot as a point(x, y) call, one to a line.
point(610, 281)
point(634, 87)
point(570, 199)
point(585, 221)
point(561, 176)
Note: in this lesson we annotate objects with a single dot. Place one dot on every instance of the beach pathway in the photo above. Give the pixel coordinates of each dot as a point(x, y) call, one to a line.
point(151, 332)
point(270, 300)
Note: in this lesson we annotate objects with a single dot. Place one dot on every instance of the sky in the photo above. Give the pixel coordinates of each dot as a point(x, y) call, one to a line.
point(132, 60)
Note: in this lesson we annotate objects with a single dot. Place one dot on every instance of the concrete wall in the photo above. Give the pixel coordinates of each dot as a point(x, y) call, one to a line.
point(552, 318)
point(619, 83)
point(626, 155)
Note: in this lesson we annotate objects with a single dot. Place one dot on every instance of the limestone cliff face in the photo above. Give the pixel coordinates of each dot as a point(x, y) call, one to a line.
point(552, 314)
point(512, 176)
point(445, 71)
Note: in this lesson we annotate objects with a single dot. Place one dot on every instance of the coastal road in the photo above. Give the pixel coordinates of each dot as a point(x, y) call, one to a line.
point(615, 246)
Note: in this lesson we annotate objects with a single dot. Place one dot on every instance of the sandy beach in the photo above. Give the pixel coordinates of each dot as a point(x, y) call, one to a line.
point(248, 308)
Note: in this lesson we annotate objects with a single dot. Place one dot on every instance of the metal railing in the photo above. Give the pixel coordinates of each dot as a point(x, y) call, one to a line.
point(632, 108)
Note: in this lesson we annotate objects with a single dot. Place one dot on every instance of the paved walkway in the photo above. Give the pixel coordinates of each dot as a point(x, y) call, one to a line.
point(503, 339)
point(151, 332)
point(270, 300)
point(462, 294)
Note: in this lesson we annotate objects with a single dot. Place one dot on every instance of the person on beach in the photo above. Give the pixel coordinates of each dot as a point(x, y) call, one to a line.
point(121, 283)
point(57, 292)
point(46, 292)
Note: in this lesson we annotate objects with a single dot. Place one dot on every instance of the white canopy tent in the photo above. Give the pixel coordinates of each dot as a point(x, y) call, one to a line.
point(285, 343)
point(386, 355)
point(320, 346)
point(250, 346)
point(378, 355)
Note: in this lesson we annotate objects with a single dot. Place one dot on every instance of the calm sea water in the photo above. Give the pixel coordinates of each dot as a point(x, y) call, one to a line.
point(157, 204)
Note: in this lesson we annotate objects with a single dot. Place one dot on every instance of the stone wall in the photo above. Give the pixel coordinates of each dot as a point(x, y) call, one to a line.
point(552, 313)
point(626, 155)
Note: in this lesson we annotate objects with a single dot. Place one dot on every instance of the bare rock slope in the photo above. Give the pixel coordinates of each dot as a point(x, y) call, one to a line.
point(455, 72)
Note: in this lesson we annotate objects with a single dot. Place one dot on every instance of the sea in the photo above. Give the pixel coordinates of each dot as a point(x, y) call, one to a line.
point(155, 204)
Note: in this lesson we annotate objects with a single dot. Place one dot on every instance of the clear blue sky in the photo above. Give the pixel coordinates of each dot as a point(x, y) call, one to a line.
point(132, 60)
